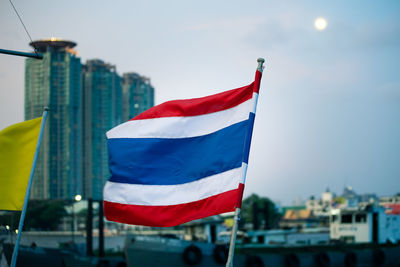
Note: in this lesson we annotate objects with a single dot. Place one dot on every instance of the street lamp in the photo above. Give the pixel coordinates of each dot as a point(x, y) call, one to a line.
point(77, 199)
point(9, 232)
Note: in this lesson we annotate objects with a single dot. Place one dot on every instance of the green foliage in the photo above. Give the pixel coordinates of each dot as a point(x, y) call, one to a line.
point(40, 215)
point(340, 200)
point(266, 209)
point(10, 218)
point(45, 214)
point(83, 213)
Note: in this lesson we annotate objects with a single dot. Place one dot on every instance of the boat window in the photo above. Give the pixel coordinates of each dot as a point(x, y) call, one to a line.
point(361, 218)
point(334, 218)
point(347, 218)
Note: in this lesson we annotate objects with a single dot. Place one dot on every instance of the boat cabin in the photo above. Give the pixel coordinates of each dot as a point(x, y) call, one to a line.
point(365, 224)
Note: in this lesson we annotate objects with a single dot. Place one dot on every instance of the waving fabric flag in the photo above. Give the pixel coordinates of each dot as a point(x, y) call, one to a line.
point(181, 160)
point(17, 148)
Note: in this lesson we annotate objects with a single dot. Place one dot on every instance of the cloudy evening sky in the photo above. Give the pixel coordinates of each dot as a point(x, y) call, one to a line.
point(329, 106)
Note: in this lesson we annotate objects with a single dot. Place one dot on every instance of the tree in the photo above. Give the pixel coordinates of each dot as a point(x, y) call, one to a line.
point(40, 215)
point(259, 211)
point(10, 218)
point(45, 214)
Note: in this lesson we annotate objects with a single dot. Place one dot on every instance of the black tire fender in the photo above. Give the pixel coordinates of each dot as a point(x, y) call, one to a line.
point(192, 255)
point(292, 260)
point(322, 260)
point(220, 254)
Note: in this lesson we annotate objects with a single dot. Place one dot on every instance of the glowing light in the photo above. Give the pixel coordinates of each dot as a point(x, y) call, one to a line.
point(78, 198)
point(320, 24)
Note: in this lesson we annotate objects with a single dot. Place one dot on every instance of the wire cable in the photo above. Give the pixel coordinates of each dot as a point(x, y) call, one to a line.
point(26, 30)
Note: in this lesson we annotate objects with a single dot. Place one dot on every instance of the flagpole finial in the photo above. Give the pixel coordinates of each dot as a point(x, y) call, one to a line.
point(260, 64)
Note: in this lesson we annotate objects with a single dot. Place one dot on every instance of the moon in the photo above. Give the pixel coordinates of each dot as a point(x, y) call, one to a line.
point(320, 24)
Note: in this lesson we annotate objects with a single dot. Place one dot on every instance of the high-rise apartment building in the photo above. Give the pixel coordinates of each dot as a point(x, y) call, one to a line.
point(85, 101)
point(102, 102)
point(55, 82)
point(137, 95)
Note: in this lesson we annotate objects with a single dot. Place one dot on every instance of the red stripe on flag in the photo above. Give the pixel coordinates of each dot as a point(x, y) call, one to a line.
point(257, 81)
point(240, 195)
point(199, 106)
point(167, 216)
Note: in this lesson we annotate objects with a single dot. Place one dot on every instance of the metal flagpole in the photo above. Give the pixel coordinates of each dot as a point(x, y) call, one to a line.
point(236, 218)
point(28, 189)
point(21, 54)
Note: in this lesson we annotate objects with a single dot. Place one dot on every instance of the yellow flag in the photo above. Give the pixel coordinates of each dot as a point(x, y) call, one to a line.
point(17, 149)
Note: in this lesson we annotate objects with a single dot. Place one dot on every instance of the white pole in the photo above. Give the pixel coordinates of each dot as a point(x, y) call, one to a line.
point(229, 262)
point(28, 189)
point(236, 219)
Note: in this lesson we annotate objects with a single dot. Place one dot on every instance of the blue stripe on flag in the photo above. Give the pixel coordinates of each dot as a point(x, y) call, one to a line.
point(162, 161)
point(252, 117)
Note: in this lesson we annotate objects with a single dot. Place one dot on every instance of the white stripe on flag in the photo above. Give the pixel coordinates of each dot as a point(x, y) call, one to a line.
point(255, 98)
point(161, 195)
point(182, 127)
point(244, 171)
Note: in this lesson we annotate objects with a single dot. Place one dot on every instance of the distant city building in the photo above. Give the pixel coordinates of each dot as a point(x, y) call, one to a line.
point(390, 199)
point(286, 208)
point(137, 95)
point(85, 102)
point(369, 198)
point(298, 218)
point(55, 82)
point(352, 199)
point(321, 207)
point(391, 204)
point(102, 102)
point(327, 197)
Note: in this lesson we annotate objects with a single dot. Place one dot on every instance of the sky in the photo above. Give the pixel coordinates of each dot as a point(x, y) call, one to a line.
point(329, 108)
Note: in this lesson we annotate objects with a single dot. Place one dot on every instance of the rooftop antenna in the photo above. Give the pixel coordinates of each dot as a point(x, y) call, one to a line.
point(18, 53)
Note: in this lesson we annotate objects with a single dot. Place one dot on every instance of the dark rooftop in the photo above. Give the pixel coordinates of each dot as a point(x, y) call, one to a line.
point(42, 45)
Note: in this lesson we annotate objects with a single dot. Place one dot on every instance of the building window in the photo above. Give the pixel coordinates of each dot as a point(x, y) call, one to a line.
point(361, 218)
point(347, 218)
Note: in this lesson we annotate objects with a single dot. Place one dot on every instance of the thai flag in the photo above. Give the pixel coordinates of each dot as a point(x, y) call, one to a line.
point(181, 160)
